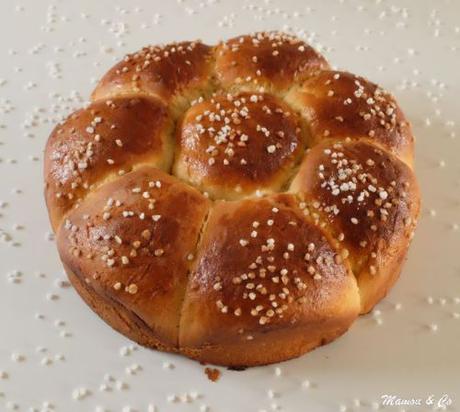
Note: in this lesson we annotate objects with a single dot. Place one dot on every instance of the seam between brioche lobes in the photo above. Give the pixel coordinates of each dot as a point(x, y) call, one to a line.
point(106, 179)
point(177, 104)
point(307, 144)
point(190, 270)
point(320, 221)
point(124, 318)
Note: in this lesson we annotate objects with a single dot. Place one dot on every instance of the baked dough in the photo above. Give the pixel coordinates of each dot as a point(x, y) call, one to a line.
point(239, 204)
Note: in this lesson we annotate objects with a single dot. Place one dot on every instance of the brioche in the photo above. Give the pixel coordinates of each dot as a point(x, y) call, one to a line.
point(239, 204)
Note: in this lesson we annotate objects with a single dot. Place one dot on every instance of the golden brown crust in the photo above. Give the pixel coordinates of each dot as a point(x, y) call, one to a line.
point(279, 346)
point(340, 105)
point(307, 238)
point(132, 241)
point(174, 73)
point(234, 145)
point(284, 345)
point(370, 201)
point(270, 60)
point(117, 316)
point(287, 275)
point(106, 138)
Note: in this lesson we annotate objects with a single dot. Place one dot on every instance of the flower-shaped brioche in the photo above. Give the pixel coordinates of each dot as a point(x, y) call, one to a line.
point(239, 204)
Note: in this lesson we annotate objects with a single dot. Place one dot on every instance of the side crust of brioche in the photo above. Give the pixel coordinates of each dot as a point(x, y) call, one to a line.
point(117, 316)
point(290, 344)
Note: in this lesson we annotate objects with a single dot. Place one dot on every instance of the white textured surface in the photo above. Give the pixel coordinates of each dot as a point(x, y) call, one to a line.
point(53, 349)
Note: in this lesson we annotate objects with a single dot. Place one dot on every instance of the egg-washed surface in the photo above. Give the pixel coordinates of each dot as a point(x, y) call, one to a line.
point(167, 196)
point(237, 145)
point(133, 241)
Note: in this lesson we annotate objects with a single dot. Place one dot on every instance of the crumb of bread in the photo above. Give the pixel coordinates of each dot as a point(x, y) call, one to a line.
point(213, 374)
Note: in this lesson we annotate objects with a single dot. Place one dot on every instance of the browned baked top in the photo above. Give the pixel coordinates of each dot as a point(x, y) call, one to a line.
point(236, 193)
point(271, 60)
point(133, 241)
point(340, 105)
point(262, 265)
point(232, 145)
point(109, 137)
point(368, 197)
point(172, 72)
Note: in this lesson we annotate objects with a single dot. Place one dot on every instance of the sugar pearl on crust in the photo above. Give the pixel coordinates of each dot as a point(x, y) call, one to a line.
point(132, 289)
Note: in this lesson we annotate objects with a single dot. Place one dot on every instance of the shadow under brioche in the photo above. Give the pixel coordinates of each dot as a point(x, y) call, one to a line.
point(239, 204)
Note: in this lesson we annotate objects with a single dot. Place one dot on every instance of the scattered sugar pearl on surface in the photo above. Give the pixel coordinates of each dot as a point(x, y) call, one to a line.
point(398, 306)
point(306, 384)
point(12, 406)
point(125, 351)
point(168, 365)
point(52, 296)
point(80, 393)
point(121, 386)
point(46, 361)
point(433, 327)
point(133, 369)
point(375, 406)
point(18, 357)
point(172, 398)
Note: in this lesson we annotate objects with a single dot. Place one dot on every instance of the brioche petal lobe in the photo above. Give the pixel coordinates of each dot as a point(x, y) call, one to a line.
point(370, 201)
point(270, 60)
point(341, 105)
point(287, 276)
point(105, 139)
point(131, 243)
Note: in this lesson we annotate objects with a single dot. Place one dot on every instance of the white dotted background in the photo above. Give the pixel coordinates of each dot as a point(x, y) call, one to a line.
point(56, 355)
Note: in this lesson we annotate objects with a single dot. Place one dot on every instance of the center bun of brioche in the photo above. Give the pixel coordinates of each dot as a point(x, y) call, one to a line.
point(234, 145)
